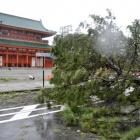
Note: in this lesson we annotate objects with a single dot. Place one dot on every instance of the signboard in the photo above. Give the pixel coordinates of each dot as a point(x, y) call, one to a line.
point(38, 54)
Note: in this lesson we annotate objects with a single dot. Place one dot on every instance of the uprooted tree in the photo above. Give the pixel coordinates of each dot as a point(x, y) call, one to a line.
point(95, 75)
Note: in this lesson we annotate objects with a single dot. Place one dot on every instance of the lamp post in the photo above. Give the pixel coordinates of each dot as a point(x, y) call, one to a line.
point(43, 55)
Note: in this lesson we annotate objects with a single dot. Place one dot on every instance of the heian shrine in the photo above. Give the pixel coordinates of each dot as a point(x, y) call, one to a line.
point(21, 39)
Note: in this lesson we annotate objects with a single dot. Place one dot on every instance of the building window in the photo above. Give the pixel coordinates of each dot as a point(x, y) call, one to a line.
point(5, 32)
point(38, 38)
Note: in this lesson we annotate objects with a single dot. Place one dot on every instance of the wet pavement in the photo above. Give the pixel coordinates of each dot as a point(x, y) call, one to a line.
point(25, 85)
point(39, 128)
point(46, 127)
point(25, 112)
point(43, 127)
point(30, 129)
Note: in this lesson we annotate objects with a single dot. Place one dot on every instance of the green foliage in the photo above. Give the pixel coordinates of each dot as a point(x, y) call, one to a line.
point(134, 45)
point(42, 96)
point(133, 134)
point(105, 126)
point(7, 79)
point(69, 117)
point(73, 68)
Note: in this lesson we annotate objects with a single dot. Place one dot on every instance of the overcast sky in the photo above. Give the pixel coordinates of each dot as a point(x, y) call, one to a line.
point(56, 13)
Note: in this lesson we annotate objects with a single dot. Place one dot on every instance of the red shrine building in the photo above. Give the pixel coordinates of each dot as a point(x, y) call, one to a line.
point(21, 39)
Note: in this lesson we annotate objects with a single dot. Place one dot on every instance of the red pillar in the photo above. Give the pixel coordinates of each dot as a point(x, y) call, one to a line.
point(7, 58)
point(27, 59)
point(17, 57)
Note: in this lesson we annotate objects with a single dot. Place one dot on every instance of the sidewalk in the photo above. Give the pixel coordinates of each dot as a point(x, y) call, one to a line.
point(20, 86)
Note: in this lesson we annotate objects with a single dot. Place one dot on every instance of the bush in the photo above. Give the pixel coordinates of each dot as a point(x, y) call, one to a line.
point(86, 122)
point(132, 134)
point(69, 117)
point(41, 96)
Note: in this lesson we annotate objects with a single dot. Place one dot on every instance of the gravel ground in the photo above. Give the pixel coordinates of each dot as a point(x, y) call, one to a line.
point(14, 99)
point(18, 79)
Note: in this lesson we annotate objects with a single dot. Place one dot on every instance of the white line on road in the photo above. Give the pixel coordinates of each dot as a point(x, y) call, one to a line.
point(31, 110)
point(6, 109)
point(25, 112)
point(8, 114)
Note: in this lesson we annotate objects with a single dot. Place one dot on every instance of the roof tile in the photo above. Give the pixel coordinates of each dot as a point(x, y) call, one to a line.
point(21, 22)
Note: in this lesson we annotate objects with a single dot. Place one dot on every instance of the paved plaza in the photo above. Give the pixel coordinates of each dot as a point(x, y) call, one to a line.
point(18, 79)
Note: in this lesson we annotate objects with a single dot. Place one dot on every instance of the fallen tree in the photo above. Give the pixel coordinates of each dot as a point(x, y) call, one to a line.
point(98, 65)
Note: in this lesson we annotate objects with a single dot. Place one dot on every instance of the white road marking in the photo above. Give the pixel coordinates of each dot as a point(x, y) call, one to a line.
point(5, 109)
point(8, 114)
point(26, 111)
point(30, 110)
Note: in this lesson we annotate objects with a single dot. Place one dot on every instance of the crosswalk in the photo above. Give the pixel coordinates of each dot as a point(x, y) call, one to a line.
point(26, 112)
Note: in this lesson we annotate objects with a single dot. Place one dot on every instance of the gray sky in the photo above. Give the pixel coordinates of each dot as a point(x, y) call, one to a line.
point(56, 13)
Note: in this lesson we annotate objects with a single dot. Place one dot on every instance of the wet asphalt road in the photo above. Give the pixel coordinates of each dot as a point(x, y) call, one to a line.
point(18, 126)
point(47, 127)
point(28, 129)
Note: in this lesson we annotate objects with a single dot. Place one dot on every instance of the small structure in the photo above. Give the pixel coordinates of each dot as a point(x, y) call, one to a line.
point(20, 40)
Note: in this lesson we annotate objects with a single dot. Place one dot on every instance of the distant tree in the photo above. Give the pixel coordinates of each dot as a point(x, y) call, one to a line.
point(134, 46)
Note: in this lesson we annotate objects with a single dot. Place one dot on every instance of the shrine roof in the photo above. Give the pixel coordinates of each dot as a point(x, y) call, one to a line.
point(24, 23)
